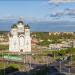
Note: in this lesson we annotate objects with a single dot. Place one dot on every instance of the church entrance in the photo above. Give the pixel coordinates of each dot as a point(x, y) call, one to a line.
point(21, 43)
point(21, 50)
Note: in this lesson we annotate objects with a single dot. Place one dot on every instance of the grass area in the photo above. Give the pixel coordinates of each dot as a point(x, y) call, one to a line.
point(14, 65)
point(4, 47)
point(4, 65)
point(55, 54)
point(73, 58)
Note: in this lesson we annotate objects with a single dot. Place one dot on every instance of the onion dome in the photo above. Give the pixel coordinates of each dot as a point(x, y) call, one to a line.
point(27, 26)
point(14, 26)
point(20, 22)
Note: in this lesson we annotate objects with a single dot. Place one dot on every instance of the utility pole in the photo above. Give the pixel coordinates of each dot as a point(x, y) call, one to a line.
point(30, 60)
point(3, 61)
point(24, 61)
point(70, 64)
point(60, 65)
point(54, 55)
point(69, 69)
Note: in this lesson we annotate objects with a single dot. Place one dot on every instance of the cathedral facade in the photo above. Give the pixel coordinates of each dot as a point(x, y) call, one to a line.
point(19, 38)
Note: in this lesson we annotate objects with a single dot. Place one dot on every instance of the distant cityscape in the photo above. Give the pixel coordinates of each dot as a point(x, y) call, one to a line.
point(32, 50)
point(63, 39)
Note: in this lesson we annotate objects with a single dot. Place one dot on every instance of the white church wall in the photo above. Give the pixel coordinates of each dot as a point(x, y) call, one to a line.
point(10, 44)
point(20, 27)
point(14, 31)
point(27, 32)
point(14, 44)
point(27, 44)
point(20, 41)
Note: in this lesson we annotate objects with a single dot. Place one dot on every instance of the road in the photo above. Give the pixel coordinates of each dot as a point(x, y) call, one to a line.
point(57, 65)
point(63, 68)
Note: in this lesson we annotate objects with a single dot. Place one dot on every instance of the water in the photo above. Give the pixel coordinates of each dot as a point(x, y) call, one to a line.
point(43, 26)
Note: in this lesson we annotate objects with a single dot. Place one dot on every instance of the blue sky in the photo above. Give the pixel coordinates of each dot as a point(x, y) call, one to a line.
point(37, 10)
point(44, 11)
point(27, 9)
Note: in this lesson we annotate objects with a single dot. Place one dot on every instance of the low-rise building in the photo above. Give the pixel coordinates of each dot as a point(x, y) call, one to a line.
point(59, 46)
point(55, 46)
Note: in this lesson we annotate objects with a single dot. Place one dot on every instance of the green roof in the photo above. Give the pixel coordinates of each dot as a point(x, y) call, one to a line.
point(20, 22)
point(14, 26)
point(27, 26)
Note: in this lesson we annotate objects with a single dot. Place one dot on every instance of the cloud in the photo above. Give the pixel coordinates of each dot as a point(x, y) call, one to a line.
point(60, 1)
point(68, 13)
point(8, 17)
point(57, 14)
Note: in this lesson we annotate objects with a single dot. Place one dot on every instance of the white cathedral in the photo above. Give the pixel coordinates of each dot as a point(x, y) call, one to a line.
point(19, 38)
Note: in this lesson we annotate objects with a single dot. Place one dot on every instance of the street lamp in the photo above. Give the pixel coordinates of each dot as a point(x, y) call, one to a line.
point(60, 65)
point(30, 60)
point(70, 64)
point(59, 54)
point(3, 62)
point(49, 55)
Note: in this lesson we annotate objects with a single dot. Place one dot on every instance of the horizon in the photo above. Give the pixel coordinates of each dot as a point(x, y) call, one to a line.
point(44, 11)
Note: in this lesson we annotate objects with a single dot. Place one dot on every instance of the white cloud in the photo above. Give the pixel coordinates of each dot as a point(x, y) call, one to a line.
point(64, 14)
point(60, 1)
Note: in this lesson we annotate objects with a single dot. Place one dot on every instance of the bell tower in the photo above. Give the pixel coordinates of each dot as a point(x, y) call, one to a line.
point(27, 38)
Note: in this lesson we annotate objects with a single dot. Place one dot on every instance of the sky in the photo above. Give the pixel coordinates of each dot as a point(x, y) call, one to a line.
point(39, 11)
point(27, 9)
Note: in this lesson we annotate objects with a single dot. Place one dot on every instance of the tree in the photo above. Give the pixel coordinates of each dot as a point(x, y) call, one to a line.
point(45, 43)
